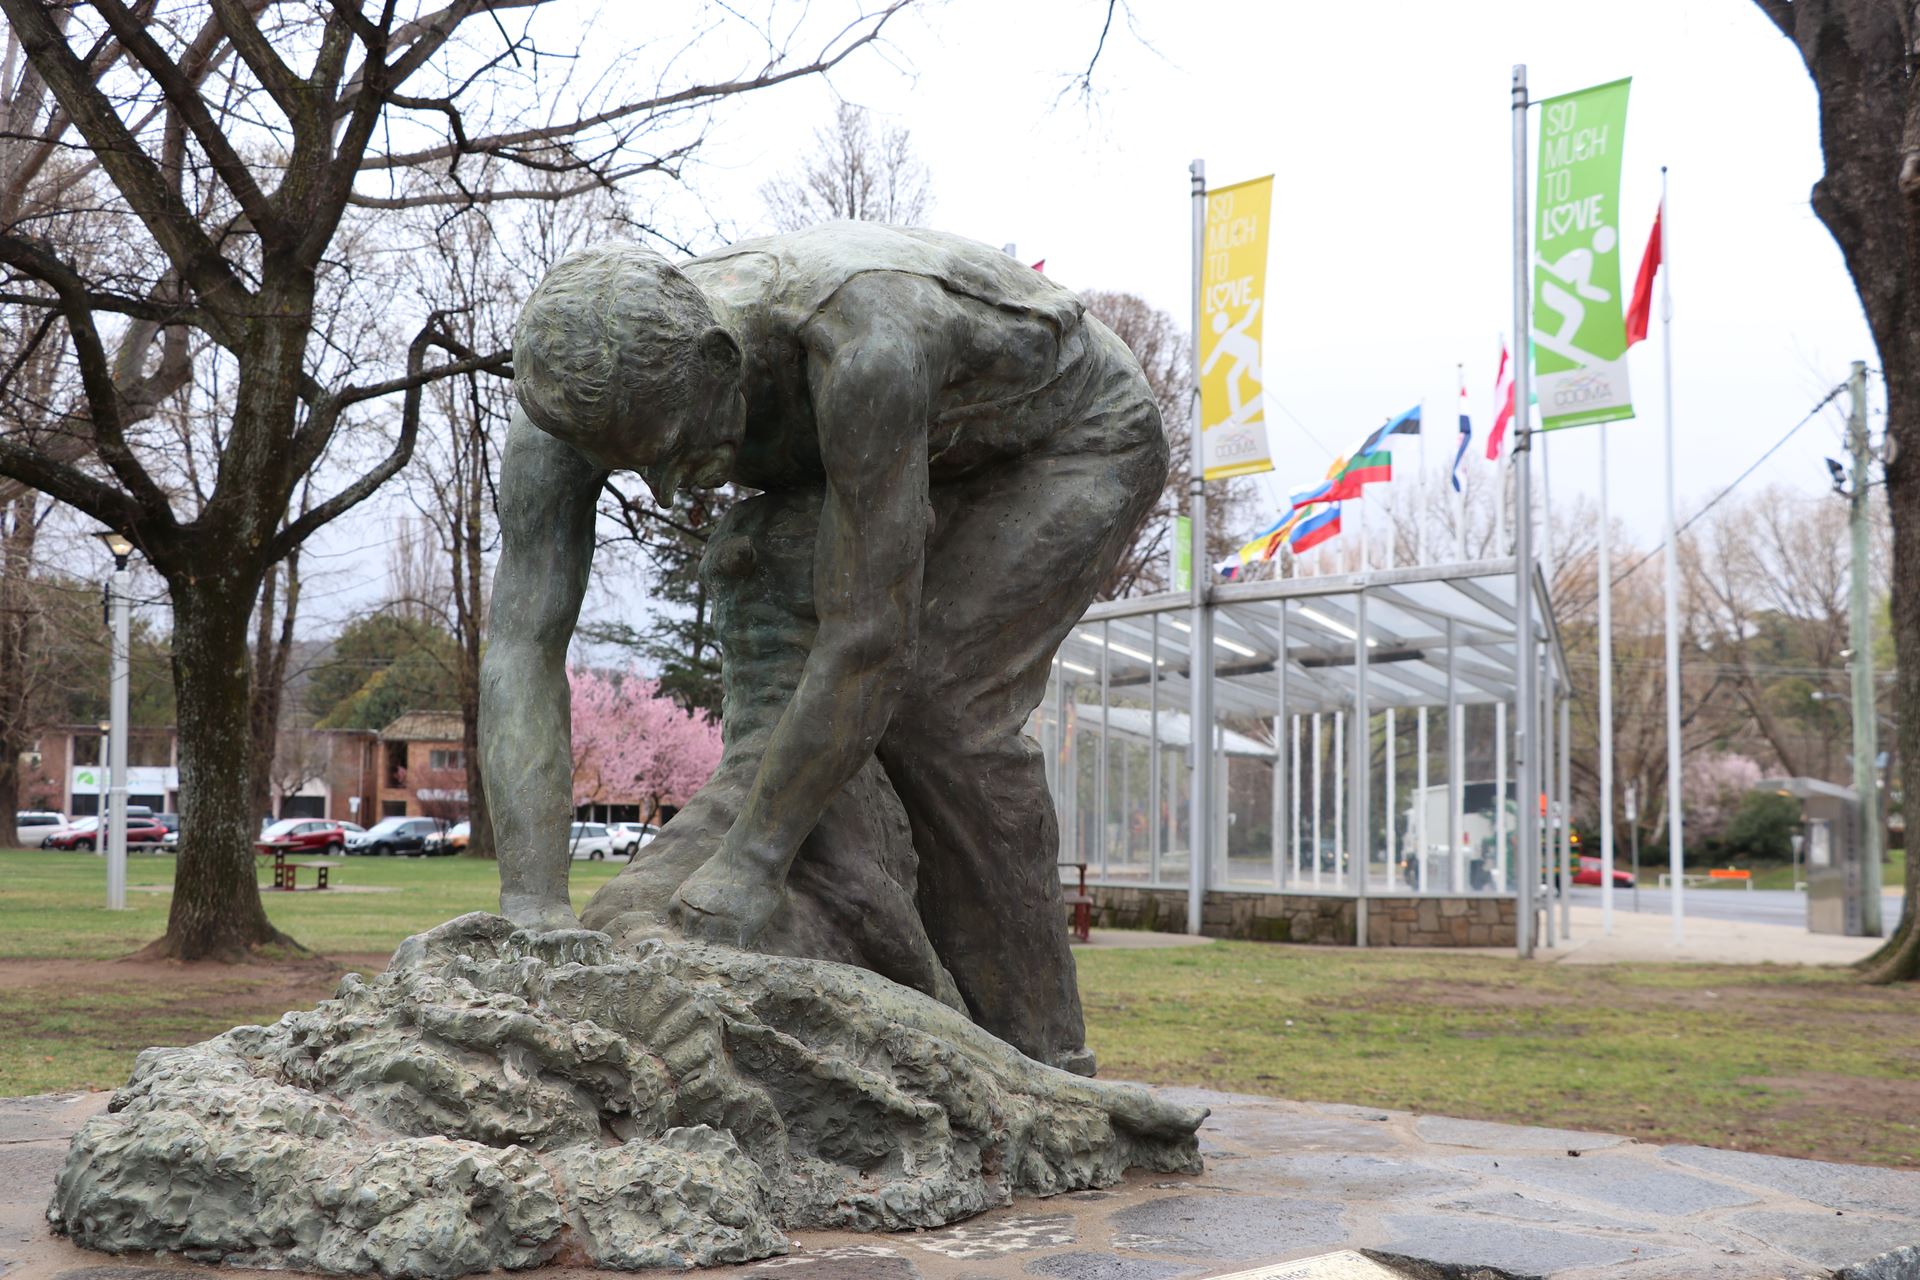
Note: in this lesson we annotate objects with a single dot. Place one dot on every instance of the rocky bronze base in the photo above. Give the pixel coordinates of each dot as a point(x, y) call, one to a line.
point(498, 1098)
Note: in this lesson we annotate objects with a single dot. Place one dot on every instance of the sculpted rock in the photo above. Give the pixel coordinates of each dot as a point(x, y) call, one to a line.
point(500, 1098)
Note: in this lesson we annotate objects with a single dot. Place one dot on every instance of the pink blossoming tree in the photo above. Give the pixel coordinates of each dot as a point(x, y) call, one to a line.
point(632, 743)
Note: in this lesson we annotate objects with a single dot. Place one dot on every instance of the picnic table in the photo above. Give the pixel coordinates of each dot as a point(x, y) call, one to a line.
point(286, 875)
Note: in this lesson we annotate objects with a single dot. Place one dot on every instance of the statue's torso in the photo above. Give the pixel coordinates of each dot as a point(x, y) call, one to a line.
point(998, 337)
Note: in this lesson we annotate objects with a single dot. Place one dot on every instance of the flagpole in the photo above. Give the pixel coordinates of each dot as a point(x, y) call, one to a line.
point(1460, 492)
point(1676, 848)
point(1420, 495)
point(1526, 704)
point(1200, 635)
point(1606, 700)
point(1499, 478)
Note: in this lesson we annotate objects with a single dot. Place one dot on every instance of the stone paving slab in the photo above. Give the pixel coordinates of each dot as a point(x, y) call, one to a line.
point(1429, 1196)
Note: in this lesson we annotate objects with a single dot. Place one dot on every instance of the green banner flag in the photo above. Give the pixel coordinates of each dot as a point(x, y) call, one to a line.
point(1579, 331)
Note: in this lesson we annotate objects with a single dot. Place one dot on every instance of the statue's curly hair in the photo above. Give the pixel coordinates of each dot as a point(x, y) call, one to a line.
point(607, 329)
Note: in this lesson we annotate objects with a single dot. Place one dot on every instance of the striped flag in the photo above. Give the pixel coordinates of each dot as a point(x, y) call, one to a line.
point(1503, 401)
point(1316, 529)
point(1466, 433)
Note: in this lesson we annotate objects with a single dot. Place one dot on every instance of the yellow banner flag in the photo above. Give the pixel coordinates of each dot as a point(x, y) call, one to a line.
point(1233, 285)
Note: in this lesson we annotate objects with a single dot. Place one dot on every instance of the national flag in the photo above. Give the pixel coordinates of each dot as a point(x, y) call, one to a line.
point(1228, 568)
point(1641, 305)
point(1362, 470)
point(1503, 401)
point(1317, 493)
point(1316, 529)
point(1466, 434)
point(1041, 266)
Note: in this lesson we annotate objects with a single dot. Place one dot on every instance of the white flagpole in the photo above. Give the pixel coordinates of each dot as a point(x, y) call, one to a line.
point(1200, 633)
point(1676, 848)
point(1500, 547)
point(1606, 701)
point(1420, 496)
point(1526, 700)
point(1453, 472)
point(1546, 508)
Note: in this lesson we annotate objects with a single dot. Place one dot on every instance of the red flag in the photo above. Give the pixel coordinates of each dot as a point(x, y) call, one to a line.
point(1503, 416)
point(1642, 302)
point(1041, 266)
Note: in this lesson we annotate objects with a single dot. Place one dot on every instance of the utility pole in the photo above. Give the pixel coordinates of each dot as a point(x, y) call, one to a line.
point(1860, 662)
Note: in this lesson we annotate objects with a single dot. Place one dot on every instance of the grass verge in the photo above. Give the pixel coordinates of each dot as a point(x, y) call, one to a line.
point(1795, 1061)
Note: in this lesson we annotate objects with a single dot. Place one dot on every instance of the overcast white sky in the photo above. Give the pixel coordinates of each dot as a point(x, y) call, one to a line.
point(1386, 124)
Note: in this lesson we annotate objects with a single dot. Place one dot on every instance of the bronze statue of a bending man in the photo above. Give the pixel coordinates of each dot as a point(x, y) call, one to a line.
point(985, 447)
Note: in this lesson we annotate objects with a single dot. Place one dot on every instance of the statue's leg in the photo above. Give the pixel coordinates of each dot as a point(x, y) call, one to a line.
point(1016, 557)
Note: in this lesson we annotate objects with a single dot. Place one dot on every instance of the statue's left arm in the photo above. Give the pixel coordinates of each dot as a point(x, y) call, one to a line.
point(870, 402)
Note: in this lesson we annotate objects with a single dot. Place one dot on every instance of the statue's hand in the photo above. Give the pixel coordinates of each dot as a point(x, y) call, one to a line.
point(541, 915)
point(728, 900)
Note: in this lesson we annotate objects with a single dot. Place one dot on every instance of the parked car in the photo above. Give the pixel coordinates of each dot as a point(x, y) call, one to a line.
point(394, 836)
point(34, 823)
point(85, 834)
point(302, 835)
point(170, 843)
point(631, 836)
point(1589, 870)
point(171, 821)
point(352, 828)
point(590, 840)
point(452, 840)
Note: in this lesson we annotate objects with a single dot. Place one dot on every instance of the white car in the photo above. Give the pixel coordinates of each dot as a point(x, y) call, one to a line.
point(629, 837)
point(590, 840)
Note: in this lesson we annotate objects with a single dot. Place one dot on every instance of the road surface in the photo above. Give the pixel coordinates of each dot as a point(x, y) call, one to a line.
point(1753, 906)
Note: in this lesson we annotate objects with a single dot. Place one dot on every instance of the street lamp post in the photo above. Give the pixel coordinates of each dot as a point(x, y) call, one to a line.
point(119, 609)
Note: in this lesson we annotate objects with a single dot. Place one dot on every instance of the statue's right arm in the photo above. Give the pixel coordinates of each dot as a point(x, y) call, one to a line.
point(547, 497)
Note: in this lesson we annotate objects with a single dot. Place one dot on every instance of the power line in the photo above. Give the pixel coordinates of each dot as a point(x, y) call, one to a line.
point(1737, 480)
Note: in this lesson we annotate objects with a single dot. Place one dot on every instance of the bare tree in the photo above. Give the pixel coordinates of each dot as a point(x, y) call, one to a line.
point(1861, 55)
point(235, 143)
point(299, 758)
point(856, 173)
point(483, 268)
point(1166, 356)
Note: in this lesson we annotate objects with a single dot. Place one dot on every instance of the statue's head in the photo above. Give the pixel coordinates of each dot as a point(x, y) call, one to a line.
point(618, 354)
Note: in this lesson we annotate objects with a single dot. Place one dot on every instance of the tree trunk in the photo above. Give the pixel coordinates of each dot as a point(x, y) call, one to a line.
point(17, 616)
point(1899, 959)
point(216, 912)
point(1859, 55)
point(270, 651)
point(469, 601)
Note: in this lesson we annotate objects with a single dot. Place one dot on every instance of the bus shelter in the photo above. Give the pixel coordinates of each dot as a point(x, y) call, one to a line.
point(1363, 757)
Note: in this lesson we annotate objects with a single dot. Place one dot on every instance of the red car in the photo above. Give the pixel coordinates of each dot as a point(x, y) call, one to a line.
point(302, 835)
point(85, 833)
point(1589, 873)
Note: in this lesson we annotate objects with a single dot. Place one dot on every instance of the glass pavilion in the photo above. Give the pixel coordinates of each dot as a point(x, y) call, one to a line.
point(1374, 760)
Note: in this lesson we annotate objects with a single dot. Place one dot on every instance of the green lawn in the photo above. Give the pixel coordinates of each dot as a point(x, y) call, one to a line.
point(54, 904)
point(1799, 1061)
point(1779, 875)
point(1796, 1061)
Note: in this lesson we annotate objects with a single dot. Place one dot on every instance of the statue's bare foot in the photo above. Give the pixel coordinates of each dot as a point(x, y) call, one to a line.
point(724, 903)
point(541, 915)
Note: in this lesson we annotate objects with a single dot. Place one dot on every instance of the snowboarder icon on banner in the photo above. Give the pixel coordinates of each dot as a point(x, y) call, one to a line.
point(1575, 269)
point(1232, 339)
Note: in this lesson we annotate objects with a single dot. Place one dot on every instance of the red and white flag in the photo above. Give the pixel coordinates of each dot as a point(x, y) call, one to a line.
point(1641, 306)
point(1503, 398)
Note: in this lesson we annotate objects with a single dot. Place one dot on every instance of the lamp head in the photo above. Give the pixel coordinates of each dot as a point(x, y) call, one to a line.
point(119, 544)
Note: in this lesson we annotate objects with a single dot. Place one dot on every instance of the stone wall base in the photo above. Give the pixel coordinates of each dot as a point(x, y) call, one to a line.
point(1315, 919)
